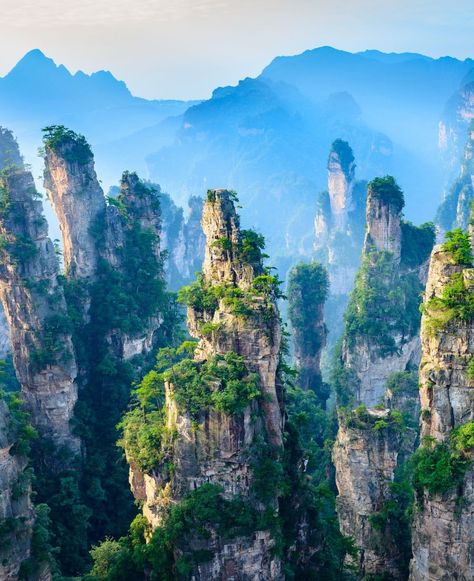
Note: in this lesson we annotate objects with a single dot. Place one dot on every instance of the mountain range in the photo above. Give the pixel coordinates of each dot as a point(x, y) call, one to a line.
point(267, 137)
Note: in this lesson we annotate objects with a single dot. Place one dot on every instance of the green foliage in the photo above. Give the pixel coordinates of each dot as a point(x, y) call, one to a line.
point(223, 243)
point(382, 304)
point(197, 515)
point(395, 515)
point(344, 152)
point(95, 502)
point(222, 383)
point(458, 244)
point(455, 303)
point(20, 431)
point(417, 243)
point(308, 287)
point(251, 247)
point(205, 298)
point(470, 369)
point(440, 466)
point(66, 143)
point(388, 191)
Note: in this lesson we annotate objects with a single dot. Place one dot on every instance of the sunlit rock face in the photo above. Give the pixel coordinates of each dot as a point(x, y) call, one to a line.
point(216, 447)
point(34, 305)
point(443, 528)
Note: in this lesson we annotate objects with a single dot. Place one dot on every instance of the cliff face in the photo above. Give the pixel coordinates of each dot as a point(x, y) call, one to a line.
point(378, 401)
point(457, 116)
point(444, 511)
point(341, 180)
point(339, 231)
point(455, 210)
point(16, 510)
point(76, 197)
point(183, 240)
point(218, 441)
point(36, 311)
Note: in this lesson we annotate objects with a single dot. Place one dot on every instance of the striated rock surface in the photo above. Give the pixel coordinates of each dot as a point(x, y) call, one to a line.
point(443, 529)
point(378, 409)
point(76, 197)
point(219, 445)
point(35, 308)
point(366, 459)
point(383, 218)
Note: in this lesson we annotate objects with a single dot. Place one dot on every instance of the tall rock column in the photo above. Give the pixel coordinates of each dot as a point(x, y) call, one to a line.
point(339, 231)
point(443, 529)
point(76, 196)
point(377, 390)
point(341, 180)
point(307, 292)
point(223, 415)
point(35, 307)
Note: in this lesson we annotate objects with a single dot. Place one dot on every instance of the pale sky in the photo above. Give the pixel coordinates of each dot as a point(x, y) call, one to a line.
point(186, 48)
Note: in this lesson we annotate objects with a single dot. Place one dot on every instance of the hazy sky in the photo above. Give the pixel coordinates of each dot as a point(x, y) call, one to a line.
point(185, 48)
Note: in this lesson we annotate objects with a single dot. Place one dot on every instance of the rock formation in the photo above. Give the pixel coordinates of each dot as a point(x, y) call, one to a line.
point(223, 406)
point(307, 293)
point(339, 231)
point(455, 210)
point(182, 239)
point(16, 510)
point(35, 308)
point(458, 114)
point(444, 477)
point(376, 392)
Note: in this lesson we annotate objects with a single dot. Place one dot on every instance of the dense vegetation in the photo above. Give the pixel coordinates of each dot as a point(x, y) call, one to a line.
point(456, 301)
point(417, 243)
point(383, 304)
point(308, 287)
point(440, 466)
point(344, 152)
point(222, 383)
point(387, 189)
point(70, 145)
point(89, 499)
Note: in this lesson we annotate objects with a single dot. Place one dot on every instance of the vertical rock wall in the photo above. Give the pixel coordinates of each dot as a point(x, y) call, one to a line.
point(379, 342)
point(443, 528)
point(35, 308)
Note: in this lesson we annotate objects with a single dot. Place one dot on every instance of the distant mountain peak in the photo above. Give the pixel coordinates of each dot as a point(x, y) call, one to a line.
point(34, 62)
